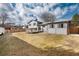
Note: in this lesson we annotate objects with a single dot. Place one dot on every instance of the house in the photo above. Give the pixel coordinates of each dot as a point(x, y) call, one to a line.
point(11, 27)
point(34, 26)
point(57, 27)
point(61, 27)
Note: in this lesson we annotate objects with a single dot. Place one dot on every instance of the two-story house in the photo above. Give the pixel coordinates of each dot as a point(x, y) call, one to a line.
point(34, 26)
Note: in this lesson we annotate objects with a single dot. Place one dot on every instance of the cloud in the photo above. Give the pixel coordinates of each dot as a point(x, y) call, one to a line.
point(60, 10)
point(65, 12)
point(57, 12)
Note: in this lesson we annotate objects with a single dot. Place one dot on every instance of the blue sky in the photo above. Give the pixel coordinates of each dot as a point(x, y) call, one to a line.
point(72, 8)
point(34, 10)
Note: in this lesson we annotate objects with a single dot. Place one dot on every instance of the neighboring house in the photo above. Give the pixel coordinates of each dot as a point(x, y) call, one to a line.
point(34, 26)
point(61, 27)
point(11, 27)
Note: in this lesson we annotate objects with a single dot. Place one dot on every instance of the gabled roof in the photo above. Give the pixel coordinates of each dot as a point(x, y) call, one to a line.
point(36, 21)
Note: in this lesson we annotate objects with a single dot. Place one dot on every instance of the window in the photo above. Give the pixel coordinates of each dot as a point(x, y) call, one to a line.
point(52, 26)
point(34, 23)
point(29, 24)
point(60, 25)
point(35, 28)
point(39, 28)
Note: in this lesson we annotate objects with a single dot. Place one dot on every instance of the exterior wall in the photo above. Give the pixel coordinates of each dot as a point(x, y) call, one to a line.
point(32, 26)
point(41, 28)
point(65, 25)
point(55, 25)
point(52, 30)
point(46, 28)
point(56, 30)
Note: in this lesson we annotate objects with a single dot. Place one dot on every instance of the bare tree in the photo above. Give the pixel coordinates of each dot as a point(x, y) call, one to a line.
point(48, 17)
point(3, 16)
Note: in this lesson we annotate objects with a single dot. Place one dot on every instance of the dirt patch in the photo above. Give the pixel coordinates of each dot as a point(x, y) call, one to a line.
point(10, 45)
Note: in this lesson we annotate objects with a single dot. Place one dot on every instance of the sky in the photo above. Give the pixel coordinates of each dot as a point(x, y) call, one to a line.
point(21, 13)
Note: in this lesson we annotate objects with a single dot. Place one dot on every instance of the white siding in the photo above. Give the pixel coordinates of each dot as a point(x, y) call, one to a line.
point(57, 30)
point(61, 31)
point(55, 25)
point(46, 28)
point(32, 25)
point(65, 25)
point(51, 30)
point(41, 28)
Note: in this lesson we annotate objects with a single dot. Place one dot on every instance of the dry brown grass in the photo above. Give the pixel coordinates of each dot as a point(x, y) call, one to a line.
point(47, 41)
point(22, 43)
point(41, 40)
point(10, 45)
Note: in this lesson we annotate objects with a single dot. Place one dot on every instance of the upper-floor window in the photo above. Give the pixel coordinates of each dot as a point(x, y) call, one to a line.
point(34, 23)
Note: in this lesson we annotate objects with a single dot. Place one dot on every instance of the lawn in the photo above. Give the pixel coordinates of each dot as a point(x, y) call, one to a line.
point(41, 40)
point(47, 41)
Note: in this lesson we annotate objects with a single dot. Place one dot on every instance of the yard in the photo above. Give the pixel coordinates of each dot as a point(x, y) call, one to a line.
point(21, 43)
